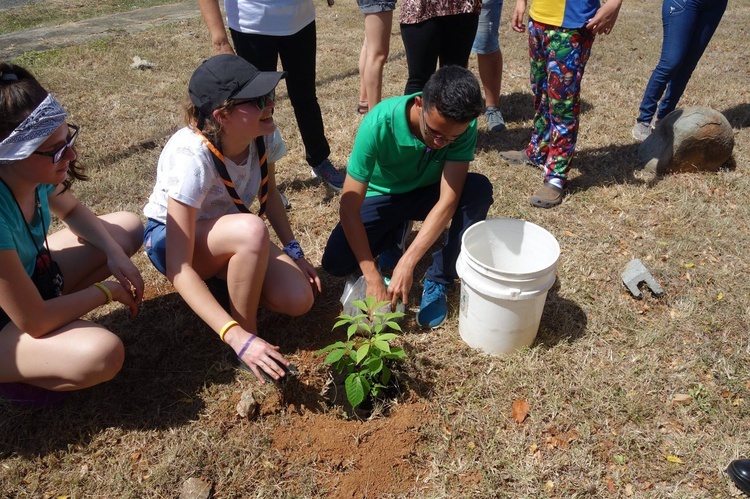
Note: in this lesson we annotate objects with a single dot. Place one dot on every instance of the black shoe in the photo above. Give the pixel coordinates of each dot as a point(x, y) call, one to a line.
point(739, 471)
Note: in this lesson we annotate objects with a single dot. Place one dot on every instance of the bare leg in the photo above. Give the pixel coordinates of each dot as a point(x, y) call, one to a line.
point(491, 74)
point(377, 41)
point(237, 248)
point(78, 355)
point(82, 264)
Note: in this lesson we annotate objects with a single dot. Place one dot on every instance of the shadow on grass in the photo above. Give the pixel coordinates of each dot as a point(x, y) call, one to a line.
point(562, 320)
point(738, 116)
point(171, 357)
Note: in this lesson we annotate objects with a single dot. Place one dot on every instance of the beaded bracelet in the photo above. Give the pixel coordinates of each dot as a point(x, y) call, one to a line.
point(104, 289)
point(229, 325)
point(294, 250)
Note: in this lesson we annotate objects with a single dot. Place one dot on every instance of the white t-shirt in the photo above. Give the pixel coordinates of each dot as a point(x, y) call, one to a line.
point(269, 17)
point(186, 173)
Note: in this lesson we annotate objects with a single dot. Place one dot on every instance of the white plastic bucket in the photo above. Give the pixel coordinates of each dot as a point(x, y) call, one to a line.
point(506, 268)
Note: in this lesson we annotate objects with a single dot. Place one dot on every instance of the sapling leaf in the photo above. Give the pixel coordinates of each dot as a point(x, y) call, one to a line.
point(387, 336)
point(385, 377)
point(334, 356)
point(369, 302)
point(382, 345)
point(362, 352)
point(393, 325)
point(374, 365)
point(360, 305)
point(338, 344)
point(356, 389)
point(395, 353)
point(351, 330)
point(344, 320)
point(377, 328)
point(380, 305)
point(366, 327)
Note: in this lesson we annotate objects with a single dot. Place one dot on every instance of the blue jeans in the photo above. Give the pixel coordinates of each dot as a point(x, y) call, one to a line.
point(688, 27)
point(382, 216)
point(487, 39)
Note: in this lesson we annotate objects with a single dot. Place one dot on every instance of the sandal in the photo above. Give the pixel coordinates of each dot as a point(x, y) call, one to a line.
point(362, 107)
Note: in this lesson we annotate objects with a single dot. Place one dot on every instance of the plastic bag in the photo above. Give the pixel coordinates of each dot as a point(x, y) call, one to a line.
point(355, 289)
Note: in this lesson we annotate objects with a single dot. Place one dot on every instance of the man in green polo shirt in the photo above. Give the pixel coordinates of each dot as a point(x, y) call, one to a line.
point(410, 161)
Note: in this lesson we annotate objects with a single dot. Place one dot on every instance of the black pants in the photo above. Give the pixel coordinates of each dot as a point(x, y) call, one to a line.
point(447, 38)
point(297, 54)
point(383, 215)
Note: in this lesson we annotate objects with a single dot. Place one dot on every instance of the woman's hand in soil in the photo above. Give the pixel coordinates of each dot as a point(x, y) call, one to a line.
point(258, 355)
point(310, 274)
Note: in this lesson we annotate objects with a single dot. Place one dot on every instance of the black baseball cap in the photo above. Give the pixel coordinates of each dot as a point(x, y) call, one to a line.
point(228, 76)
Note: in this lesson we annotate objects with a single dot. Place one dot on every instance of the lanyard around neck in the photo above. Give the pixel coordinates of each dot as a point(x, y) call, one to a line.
point(218, 158)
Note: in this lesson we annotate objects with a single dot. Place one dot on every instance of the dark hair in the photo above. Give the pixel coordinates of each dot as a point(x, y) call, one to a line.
point(19, 96)
point(454, 91)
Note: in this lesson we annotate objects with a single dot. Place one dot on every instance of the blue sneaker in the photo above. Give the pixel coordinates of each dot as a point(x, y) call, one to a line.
point(389, 258)
point(434, 306)
point(330, 175)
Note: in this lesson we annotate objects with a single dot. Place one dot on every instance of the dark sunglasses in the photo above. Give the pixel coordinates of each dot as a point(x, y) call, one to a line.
point(58, 154)
point(260, 102)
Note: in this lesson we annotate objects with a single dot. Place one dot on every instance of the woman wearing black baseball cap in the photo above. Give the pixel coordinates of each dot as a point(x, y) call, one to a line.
point(199, 225)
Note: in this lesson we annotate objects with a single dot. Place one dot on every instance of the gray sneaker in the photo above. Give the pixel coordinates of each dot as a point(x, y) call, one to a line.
point(328, 174)
point(494, 119)
point(641, 131)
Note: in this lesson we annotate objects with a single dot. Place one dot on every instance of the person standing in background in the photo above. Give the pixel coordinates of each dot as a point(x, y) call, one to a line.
point(490, 62)
point(561, 34)
point(688, 27)
point(436, 31)
point(264, 31)
point(374, 53)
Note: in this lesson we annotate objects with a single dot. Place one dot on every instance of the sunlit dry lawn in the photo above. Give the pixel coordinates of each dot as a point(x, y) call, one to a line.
point(601, 380)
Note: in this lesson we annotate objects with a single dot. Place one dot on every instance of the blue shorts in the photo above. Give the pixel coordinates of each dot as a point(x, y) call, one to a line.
point(155, 243)
point(487, 40)
point(375, 6)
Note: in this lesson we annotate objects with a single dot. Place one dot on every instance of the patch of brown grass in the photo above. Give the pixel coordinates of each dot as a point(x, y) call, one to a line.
point(600, 380)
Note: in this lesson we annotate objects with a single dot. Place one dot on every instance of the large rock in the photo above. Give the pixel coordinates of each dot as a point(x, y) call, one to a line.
point(688, 140)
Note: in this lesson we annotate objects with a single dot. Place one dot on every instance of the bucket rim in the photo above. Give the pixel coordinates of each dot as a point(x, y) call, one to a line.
point(480, 267)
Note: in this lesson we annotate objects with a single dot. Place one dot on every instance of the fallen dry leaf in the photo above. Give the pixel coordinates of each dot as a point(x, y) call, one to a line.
point(520, 410)
point(682, 399)
point(674, 459)
point(610, 485)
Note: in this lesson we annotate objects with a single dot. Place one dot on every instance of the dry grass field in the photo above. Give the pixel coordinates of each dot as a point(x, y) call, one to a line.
point(601, 380)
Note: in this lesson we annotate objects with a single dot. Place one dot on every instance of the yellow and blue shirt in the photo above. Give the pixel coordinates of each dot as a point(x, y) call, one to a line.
point(568, 14)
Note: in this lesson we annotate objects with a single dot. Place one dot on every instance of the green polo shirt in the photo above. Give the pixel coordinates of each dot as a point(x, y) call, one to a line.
point(391, 160)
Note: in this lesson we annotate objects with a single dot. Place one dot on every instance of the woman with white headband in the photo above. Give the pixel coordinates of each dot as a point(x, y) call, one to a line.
point(47, 282)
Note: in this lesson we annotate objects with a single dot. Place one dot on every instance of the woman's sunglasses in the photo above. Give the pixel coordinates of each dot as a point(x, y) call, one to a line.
point(58, 154)
point(260, 102)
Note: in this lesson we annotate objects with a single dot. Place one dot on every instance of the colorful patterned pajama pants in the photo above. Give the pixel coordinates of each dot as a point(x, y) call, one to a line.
point(558, 57)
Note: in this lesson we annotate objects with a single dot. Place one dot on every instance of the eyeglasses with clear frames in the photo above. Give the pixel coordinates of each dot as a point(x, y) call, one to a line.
point(58, 154)
point(260, 102)
point(427, 130)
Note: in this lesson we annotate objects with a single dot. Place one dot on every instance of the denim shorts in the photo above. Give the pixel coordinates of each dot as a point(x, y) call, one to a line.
point(375, 6)
point(487, 39)
point(155, 243)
